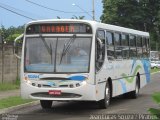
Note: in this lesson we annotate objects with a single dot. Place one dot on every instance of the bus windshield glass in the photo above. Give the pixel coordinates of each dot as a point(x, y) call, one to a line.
point(57, 54)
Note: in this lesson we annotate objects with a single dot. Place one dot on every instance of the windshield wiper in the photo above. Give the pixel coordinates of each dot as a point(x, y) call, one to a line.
point(67, 47)
point(49, 48)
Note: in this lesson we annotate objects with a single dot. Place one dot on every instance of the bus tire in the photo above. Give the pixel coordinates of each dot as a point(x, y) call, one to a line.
point(104, 103)
point(46, 104)
point(134, 94)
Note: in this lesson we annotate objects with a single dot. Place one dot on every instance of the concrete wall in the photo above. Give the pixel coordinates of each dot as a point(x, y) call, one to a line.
point(9, 65)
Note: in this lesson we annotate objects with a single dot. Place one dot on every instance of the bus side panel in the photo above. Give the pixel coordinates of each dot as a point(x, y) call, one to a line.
point(102, 76)
point(145, 73)
point(100, 88)
point(122, 83)
point(127, 75)
point(100, 84)
point(123, 75)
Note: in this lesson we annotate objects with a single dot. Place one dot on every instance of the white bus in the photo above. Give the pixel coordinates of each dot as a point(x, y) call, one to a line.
point(81, 60)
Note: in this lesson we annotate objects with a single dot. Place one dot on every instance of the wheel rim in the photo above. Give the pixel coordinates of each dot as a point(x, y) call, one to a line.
point(107, 95)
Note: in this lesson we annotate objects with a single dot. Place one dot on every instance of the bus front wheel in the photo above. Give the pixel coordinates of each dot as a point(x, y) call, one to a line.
point(104, 103)
point(46, 104)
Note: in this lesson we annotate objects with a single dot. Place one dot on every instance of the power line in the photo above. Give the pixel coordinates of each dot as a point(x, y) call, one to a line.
point(51, 8)
point(17, 13)
point(82, 9)
point(21, 11)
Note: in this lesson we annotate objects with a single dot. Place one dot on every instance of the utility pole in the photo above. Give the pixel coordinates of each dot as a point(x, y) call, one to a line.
point(2, 43)
point(93, 11)
point(2, 59)
point(1, 48)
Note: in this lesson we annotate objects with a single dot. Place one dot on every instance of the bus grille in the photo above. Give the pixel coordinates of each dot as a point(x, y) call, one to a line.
point(63, 95)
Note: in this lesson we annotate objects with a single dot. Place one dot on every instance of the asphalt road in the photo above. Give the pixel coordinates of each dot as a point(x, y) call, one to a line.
point(86, 110)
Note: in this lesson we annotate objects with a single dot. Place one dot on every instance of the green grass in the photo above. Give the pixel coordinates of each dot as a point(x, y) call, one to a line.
point(155, 70)
point(10, 86)
point(12, 101)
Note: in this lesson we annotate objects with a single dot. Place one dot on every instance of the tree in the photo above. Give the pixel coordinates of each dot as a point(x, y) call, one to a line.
point(11, 33)
point(154, 111)
point(12, 37)
point(3, 31)
point(124, 13)
point(137, 14)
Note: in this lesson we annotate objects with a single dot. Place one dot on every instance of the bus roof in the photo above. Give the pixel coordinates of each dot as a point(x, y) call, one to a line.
point(94, 25)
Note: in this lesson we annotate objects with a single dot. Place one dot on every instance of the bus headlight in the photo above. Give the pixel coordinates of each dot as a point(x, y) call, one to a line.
point(29, 82)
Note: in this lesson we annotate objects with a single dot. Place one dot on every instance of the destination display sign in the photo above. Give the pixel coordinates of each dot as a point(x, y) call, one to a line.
point(58, 28)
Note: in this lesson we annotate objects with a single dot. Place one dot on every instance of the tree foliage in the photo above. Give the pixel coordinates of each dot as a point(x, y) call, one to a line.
point(142, 15)
point(153, 111)
point(9, 34)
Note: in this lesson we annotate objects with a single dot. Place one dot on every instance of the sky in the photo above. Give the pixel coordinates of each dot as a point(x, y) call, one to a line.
point(30, 10)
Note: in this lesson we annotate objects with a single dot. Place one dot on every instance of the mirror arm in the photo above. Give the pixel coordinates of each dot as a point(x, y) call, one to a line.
point(100, 42)
point(19, 37)
point(17, 56)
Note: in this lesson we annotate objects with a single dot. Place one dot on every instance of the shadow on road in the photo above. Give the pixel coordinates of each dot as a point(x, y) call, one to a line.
point(79, 110)
point(87, 107)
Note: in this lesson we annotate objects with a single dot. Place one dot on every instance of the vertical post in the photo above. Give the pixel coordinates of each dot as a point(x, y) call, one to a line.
point(1, 52)
point(17, 67)
point(2, 60)
point(93, 11)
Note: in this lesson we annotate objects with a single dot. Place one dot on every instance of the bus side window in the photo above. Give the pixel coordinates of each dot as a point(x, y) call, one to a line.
point(118, 48)
point(100, 49)
point(145, 47)
point(110, 46)
point(148, 46)
point(125, 46)
point(132, 44)
point(139, 47)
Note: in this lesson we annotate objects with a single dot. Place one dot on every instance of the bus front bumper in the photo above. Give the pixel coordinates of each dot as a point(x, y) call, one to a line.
point(85, 92)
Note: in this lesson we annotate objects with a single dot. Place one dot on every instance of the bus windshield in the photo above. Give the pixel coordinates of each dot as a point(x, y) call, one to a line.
point(57, 54)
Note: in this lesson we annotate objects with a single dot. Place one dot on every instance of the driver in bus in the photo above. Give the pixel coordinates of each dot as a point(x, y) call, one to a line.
point(80, 52)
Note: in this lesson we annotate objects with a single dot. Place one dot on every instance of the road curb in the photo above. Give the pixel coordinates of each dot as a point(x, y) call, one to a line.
point(7, 110)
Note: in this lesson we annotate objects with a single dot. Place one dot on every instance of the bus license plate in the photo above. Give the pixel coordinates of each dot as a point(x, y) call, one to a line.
point(54, 92)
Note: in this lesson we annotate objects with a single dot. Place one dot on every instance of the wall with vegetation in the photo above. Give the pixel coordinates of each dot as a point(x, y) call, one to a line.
point(9, 64)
